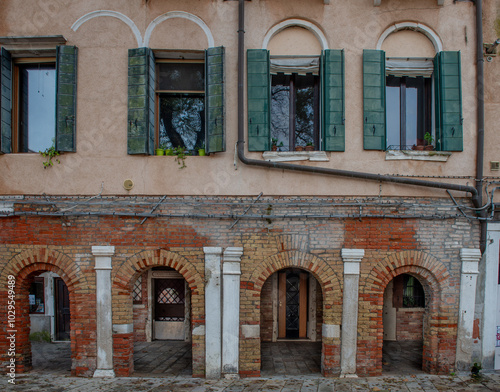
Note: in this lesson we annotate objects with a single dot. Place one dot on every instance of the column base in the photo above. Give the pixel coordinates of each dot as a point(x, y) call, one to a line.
point(348, 376)
point(104, 373)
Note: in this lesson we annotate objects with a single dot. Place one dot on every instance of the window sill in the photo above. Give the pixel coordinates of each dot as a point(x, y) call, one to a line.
point(433, 156)
point(287, 156)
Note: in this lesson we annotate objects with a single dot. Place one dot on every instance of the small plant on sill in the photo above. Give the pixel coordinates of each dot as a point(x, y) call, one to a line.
point(180, 156)
point(475, 371)
point(275, 145)
point(309, 146)
point(51, 154)
point(429, 139)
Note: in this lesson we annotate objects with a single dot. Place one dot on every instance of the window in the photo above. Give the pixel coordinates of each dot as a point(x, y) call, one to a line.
point(408, 292)
point(296, 100)
point(180, 95)
point(137, 291)
point(176, 99)
point(36, 296)
point(405, 99)
point(408, 111)
point(295, 110)
point(38, 101)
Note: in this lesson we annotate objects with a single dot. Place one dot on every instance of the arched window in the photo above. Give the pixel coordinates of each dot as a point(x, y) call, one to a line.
point(408, 292)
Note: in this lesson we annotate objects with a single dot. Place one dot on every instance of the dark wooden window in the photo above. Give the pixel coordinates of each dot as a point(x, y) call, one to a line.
point(295, 110)
point(34, 106)
point(180, 93)
point(408, 111)
point(36, 296)
point(407, 292)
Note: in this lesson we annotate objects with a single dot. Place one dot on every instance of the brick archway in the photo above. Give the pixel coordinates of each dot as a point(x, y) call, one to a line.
point(123, 279)
point(82, 307)
point(440, 321)
point(332, 305)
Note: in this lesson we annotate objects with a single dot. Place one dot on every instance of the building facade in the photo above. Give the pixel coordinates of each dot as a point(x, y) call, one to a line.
point(318, 180)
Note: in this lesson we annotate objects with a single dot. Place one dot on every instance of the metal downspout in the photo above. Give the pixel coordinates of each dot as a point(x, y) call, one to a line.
point(311, 169)
point(480, 119)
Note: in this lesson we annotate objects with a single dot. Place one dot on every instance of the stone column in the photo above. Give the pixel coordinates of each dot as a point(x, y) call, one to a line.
point(351, 258)
point(213, 344)
point(103, 310)
point(231, 310)
point(470, 260)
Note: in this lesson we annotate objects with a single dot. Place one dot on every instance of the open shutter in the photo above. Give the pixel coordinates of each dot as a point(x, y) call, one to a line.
point(332, 74)
point(141, 98)
point(449, 128)
point(215, 138)
point(374, 99)
point(5, 102)
point(259, 99)
point(66, 68)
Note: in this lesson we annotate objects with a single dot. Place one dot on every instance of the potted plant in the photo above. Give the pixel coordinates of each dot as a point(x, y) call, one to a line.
point(201, 150)
point(299, 148)
point(309, 146)
point(159, 151)
point(475, 370)
point(428, 141)
point(180, 156)
point(275, 145)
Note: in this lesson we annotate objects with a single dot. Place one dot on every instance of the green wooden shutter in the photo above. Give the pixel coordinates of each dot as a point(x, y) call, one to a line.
point(259, 99)
point(215, 140)
point(374, 100)
point(447, 75)
point(5, 102)
point(332, 77)
point(66, 68)
point(141, 84)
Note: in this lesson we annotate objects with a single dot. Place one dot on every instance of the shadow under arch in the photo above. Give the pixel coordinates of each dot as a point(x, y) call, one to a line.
point(332, 305)
point(123, 279)
point(440, 320)
point(82, 307)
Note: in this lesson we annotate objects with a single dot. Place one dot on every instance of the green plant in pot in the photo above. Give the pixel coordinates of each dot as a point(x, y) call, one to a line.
point(275, 145)
point(429, 139)
point(201, 150)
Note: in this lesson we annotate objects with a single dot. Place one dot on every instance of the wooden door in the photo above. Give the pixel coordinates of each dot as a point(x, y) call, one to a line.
point(62, 311)
point(292, 305)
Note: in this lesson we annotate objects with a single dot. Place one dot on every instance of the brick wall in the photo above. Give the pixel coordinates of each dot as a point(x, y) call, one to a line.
point(141, 312)
point(428, 248)
point(409, 324)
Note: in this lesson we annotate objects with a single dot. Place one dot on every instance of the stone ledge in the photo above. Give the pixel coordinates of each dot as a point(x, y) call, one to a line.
point(287, 156)
point(433, 156)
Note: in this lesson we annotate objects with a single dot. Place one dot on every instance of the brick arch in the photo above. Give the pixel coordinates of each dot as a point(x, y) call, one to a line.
point(123, 279)
point(41, 259)
point(439, 320)
point(332, 304)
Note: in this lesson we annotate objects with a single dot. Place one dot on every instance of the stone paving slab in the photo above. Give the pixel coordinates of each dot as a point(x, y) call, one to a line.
point(57, 383)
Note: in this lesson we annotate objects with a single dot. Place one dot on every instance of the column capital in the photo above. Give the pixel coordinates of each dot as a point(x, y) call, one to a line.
point(470, 260)
point(233, 254)
point(212, 250)
point(103, 250)
point(352, 255)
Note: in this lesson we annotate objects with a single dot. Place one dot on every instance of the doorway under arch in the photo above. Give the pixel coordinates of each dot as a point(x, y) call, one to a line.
point(404, 312)
point(291, 316)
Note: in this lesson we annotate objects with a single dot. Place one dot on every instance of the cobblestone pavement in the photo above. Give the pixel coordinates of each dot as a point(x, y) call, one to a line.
point(53, 383)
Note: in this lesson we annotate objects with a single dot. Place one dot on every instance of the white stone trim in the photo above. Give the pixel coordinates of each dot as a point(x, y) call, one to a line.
point(289, 156)
point(352, 255)
point(183, 15)
point(421, 28)
point(417, 155)
point(114, 14)
point(331, 331)
point(250, 331)
point(199, 330)
point(103, 250)
point(6, 207)
point(123, 328)
point(296, 22)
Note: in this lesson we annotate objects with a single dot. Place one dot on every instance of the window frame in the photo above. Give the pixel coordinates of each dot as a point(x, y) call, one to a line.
point(17, 64)
point(292, 102)
point(38, 280)
point(158, 92)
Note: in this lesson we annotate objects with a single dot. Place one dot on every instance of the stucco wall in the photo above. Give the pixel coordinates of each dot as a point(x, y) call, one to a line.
point(101, 156)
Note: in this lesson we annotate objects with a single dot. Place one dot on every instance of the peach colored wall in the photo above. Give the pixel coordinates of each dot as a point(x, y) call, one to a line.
point(101, 156)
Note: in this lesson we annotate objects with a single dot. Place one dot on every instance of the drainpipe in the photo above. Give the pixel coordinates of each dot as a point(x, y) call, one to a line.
point(310, 169)
point(480, 119)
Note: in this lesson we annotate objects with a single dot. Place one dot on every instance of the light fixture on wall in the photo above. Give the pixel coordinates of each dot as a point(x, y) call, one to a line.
point(491, 49)
point(128, 184)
